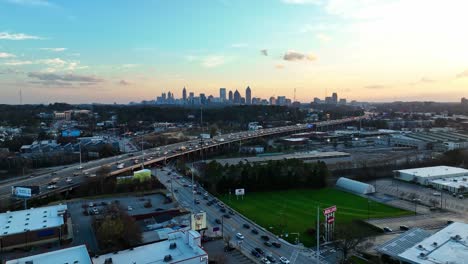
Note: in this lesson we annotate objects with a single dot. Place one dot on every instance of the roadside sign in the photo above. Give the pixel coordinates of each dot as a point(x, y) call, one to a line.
point(21, 192)
point(330, 219)
point(329, 210)
point(240, 191)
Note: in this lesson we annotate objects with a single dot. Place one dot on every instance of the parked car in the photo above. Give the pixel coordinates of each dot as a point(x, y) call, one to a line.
point(404, 227)
point(387, 229)
point(284, 260)
point(276, 244)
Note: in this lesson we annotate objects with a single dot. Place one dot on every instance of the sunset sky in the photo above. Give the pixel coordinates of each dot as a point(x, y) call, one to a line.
point(120, 51)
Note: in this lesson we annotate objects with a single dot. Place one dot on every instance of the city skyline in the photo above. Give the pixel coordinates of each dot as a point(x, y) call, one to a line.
point(365, 50)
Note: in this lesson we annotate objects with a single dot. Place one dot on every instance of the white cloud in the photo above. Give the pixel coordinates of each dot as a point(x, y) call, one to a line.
point(4, 55)
point(292, 55)
point(17, 36)
point(213, 61)
point(54, 49)
point(18, 63)
point(323, 37)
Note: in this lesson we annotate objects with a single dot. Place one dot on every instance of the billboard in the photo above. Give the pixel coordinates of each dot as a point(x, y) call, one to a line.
point(240, 191)
point(198, 221)
point(329, 210)
point(22, 192)
point(329, 214)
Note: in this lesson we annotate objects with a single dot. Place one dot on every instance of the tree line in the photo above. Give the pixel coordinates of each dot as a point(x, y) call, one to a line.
point(273, 175)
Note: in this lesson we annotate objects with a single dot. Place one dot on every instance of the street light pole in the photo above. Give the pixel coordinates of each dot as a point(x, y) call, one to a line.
point(318, 235)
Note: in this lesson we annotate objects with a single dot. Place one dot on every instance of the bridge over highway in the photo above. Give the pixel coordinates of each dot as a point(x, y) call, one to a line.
point(151, 156)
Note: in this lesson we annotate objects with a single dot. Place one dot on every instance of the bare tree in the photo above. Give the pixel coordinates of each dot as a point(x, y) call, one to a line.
point(350, 238)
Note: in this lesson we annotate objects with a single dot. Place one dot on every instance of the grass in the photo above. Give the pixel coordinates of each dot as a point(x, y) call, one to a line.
point(296, 210)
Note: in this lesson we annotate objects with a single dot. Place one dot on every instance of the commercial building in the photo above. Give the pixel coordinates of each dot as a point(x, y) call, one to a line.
point(353, 186)
point(425, 175)
point(449, 245)
point(72, 255)
point(399, 244)
point(181, 247)
point(34, 226)
point(458, 185)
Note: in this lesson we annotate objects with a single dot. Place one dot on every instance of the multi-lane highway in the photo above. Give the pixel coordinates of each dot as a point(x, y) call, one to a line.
point(127, 162)
point(232, 225)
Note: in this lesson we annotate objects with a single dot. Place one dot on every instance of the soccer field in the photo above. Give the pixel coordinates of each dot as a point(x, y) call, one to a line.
point(295, 210)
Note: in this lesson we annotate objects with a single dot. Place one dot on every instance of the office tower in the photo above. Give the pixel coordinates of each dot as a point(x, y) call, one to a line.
point(230, 97)
point(184, 95)
point(202, 98)
point(248, 96)
point(334, 98)
point(237, 97)
point(222, 94)
point(272, 100)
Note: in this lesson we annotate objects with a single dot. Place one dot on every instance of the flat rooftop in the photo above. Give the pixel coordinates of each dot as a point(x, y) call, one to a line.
point(31, 219)
point(401, 243)
point(449, 245)
point(455, 182)
point(154, 253)
point(436, 171)
point(78, 254)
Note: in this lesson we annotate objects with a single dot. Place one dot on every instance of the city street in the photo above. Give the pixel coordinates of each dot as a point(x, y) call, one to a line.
point(234, 224)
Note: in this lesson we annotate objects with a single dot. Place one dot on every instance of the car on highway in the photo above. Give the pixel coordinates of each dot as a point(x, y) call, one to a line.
point(259, 250)
point(266, 238)
point(51, 186)
point(266, 243)
point(246, 226)
point(222, 210)
point(387, 229)
point(231, 212)
point(68, 180)
point(226, 216)
point(284, 260)
point(254, 231)
point(271, 258)
point(197, 201)
point(240, 236)
point(436, 194)
point(217, 221)
point(129, 208)
point(404, 227)
point(255, 253)
point(265, 260)
point(276, 244)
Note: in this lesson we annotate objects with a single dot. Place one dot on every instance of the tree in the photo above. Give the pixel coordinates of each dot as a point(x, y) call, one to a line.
point(350, 238)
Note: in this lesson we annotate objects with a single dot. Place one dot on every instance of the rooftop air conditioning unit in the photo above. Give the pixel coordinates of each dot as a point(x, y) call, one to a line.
point(108, 261)
point(167, 258)
point(172, 246)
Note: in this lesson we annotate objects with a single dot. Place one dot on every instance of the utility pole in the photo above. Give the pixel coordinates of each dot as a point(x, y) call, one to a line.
point(318, 235)
point(81, 167)
point(142, 154)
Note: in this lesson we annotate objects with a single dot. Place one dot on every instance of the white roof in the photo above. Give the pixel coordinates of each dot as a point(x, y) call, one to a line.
point(31, 219)
point(154, 253)
point(437, 171)
point(449, 245)
point(455, 182)
point(78, 254)
point(354, 186)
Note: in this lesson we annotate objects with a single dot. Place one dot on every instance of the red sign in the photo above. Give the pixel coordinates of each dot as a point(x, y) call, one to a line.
point(331, 219)
point(329, 210)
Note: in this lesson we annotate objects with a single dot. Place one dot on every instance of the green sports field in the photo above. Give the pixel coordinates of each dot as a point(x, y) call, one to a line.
point(295, 210)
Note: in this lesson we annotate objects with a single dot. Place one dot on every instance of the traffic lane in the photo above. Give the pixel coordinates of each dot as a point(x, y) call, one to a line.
point(232, 225)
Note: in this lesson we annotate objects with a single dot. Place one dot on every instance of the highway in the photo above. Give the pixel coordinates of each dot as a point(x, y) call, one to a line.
point(149, 156)
point(234, 224)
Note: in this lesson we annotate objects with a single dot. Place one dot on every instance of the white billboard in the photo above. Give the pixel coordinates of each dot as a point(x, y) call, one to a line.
point(21, 192)
point(240, 191)
point(199, 221)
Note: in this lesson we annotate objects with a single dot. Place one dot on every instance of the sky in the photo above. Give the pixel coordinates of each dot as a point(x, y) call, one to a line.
point(120, 51)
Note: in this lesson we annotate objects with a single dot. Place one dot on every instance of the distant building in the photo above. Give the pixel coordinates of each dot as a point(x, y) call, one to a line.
point(334, 98)
point(272, 100)
point(281, 100)
point(464, 101)
point(222, 94)
point(425, 175)
point(202, 99)
point(248, 96)
point(353, 186)
point(317, 100)
point(231, 97)
point(72, 255)
point(181, 247)
point(237, 97)
point(33, 226)
point(342, 101)
point(184, 95)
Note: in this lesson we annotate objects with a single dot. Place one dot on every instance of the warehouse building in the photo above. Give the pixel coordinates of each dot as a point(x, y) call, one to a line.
point(353, 186)
point(34, 226)
point(181, 247)
point(72, 255)
point(449, 245)
point(424, 176)
point(457, 185)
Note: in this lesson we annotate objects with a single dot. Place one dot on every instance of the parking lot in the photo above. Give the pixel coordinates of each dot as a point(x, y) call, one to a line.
point(82, 219)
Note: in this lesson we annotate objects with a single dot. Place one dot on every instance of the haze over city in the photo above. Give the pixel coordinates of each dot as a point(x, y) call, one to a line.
point(122, 51)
